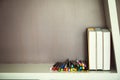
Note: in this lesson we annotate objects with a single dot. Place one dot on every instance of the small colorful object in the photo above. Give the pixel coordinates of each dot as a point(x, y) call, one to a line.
point(70, 66)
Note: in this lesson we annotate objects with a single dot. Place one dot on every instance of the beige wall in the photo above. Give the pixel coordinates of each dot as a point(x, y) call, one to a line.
point(35, 31)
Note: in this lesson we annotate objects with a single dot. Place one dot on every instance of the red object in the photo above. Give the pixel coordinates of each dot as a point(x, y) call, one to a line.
point(64, 69)
point(57, 68)
point(53, 69)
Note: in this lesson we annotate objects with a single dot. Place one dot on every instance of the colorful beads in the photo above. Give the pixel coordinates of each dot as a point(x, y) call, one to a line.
point(70, 66)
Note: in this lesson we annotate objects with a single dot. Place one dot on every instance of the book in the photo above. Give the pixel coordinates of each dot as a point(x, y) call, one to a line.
point(92, 48)
point(106, 49)
point(99, 48)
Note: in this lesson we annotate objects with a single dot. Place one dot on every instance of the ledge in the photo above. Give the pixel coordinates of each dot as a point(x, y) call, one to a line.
point(42, 71)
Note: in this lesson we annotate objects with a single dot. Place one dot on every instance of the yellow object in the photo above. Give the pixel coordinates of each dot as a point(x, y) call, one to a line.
point(71, 69)
point(91, 28)
point(75, 69)
point(83, 68)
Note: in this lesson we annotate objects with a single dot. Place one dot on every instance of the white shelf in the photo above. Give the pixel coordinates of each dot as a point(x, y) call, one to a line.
point(42, 71)
point(37, 68)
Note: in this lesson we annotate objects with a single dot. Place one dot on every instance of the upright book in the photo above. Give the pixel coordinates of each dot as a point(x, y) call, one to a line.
point(92, 48)
point(106, 49)
point(99, 48)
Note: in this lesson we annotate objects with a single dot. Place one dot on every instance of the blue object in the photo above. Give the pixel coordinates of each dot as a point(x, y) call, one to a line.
point(80, 68)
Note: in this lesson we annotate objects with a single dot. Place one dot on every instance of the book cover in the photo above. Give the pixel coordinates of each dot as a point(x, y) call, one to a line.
point(92, 48)
point(106, 49)
point(99, 49)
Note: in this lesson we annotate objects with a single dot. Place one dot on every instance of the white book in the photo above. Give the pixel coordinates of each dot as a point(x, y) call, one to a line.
point(99, 49)
point(106, 49)
point(92, 49)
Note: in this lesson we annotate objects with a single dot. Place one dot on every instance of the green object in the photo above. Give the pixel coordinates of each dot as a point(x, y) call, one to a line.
point(61, 69)
point(72, 66)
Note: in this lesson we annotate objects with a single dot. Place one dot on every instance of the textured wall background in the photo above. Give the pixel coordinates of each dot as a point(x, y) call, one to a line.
point(37, 31)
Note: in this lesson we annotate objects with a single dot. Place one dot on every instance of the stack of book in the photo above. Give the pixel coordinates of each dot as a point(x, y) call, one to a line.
point(99, 48)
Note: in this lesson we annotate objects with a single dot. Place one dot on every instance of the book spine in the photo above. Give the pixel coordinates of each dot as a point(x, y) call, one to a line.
point(92, 50)
point(99, 50)
point(106, 50)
